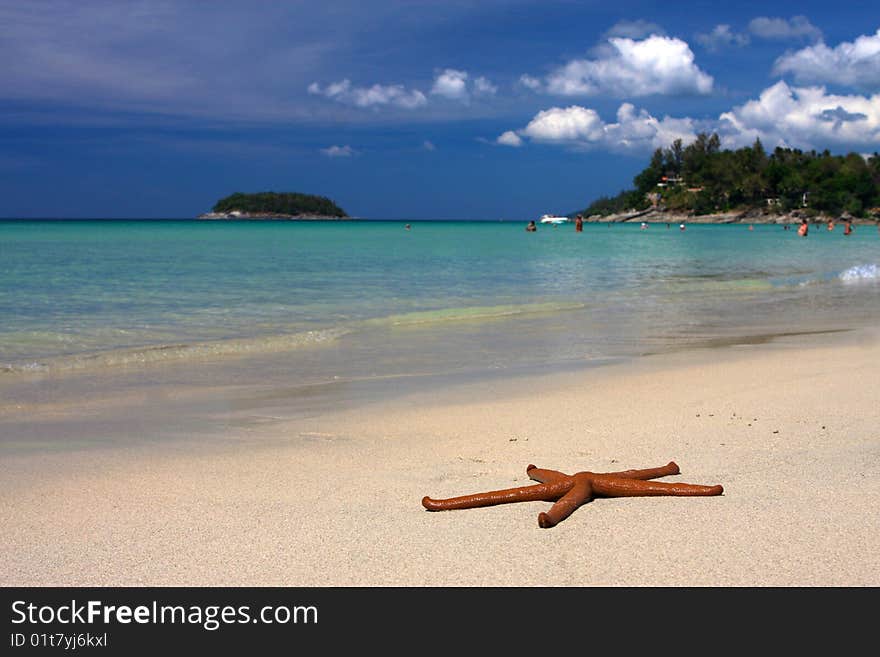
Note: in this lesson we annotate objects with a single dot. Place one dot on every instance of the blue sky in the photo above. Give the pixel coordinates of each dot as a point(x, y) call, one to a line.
point(447, 109)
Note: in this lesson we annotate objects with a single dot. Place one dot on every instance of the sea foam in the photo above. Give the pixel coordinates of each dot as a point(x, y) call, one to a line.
point(861, 273)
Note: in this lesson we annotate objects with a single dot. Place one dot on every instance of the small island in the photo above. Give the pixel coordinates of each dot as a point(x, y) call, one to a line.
point(275, 205)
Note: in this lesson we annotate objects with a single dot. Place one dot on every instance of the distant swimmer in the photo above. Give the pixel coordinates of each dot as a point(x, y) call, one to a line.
point(532, 228)
point(681, 226)
point(579, 224)
point(848, 227)
point(831, 224)
point(804, 228)
point(407, 226)
point(644, 225)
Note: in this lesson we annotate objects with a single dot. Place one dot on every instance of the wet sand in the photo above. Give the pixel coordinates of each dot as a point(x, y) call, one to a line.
point(789, 428)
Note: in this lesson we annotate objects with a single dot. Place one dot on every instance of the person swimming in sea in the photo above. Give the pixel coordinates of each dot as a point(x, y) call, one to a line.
point(804, 228)
point(531, 227)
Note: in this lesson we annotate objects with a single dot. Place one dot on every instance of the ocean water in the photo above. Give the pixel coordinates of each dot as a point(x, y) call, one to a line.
point(299, 304)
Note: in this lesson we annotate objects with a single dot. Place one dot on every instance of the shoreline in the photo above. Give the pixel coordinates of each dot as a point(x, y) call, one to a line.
point(236, 215)
point(736, 217)
point(332, 498)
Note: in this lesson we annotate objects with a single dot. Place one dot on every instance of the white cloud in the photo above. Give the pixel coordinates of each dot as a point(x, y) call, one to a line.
point(376, 95)
point(338, 151)
point(483, 87)
point(722, 37)
point(530, 82)
point(656, 65)
point(570, 124)
point(803, 117)
point(854, 63)
point(452, 84)
point(458, 85)
point(509, 138)
point(582, 127)
point(639, 131)
point(781, 28)
point(793, 117)
point(633, 29)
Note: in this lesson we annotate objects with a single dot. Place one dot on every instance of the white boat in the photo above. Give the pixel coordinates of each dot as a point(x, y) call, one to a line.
point(553, 219)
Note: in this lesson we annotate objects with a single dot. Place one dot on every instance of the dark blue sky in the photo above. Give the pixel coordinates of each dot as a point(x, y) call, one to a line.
point(408, 110)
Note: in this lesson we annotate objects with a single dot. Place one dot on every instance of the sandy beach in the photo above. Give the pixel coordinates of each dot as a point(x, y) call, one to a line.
point(789, 428)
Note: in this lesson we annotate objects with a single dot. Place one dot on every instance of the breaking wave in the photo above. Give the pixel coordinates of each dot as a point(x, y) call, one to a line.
point(870, 272)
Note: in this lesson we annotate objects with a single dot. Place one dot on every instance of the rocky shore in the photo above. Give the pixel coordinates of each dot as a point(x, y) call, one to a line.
point(738, 217)
point(235, 214)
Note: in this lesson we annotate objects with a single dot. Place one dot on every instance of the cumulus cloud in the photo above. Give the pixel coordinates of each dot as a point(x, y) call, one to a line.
point(797, 27)
point(509, 138)
point(376, 95)
point(448, 83)
point(792, 117)
point(451, 84)
point(656, 65)
point(803, 117)
point(582, 127)
point(722, 37)
point(854, 63)
point(569, 124)
point(338, 151)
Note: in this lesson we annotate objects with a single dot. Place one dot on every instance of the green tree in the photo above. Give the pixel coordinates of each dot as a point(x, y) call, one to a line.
point(746, 178)
point(275, 203)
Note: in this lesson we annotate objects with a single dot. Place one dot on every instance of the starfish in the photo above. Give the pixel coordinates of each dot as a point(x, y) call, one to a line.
point(570, 491)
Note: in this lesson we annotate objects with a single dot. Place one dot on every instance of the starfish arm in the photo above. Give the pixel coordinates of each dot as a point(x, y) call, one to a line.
point(612, 486)
point(544, 476)
point(670, 468)
point(538, 492)
point(580, 493)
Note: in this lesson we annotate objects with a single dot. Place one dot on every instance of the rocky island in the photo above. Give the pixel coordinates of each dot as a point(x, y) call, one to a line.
point(703, 183)
point(275, 205)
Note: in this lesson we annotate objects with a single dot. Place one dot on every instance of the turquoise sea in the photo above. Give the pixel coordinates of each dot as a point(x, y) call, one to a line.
point(299, 304)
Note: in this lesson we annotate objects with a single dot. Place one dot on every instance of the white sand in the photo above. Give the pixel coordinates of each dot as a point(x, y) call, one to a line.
point(791, 430)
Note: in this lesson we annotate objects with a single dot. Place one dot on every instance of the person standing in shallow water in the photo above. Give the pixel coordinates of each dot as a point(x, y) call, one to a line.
point(847, 227)
point(579, 224)
point(804, 228)
point(531, 228)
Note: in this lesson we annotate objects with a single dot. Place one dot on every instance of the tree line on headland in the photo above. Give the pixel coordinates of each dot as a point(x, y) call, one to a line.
point(276, 204)
point(701, 179)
